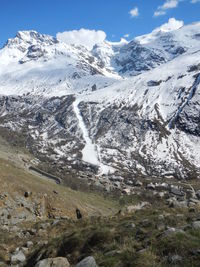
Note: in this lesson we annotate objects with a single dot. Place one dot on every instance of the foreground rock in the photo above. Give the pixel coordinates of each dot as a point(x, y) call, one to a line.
point(18, 257)
point(53, 262)
point(196, 225)
point(87, 262)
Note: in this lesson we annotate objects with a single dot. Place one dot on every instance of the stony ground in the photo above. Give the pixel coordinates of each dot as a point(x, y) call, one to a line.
point(150, 223)
point(144, 233)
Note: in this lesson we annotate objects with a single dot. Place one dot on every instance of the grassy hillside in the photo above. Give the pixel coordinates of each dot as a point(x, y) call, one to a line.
point(15, 181)
point(157, 235)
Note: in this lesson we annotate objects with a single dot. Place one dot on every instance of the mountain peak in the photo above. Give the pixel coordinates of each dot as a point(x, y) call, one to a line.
point(26, 34)
point(27, 38)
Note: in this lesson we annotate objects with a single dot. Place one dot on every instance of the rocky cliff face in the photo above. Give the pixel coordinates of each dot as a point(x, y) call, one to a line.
point(129, 109)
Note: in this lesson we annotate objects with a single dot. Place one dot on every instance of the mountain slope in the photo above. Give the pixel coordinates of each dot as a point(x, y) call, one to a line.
point(121, 110)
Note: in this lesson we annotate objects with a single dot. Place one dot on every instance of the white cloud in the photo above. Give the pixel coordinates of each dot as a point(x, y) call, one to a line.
point(126, 35)
point(169, 4)
point(85, 37)
point(195, 1)
point(159, 13)
point(134, 12)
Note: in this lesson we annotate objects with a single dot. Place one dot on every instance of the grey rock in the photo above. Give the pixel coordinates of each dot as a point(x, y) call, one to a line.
point(172, 231)
point(15, 229)
point(87, 262)
point(161, 217)
point(191, 205)
point(44, 225)
point(18, 257)
point(196, 225)
point(53, 262)
point(196, 252)
point(174, 259)
point(141, 251)
point(43, 243)
point(160, 227)
point(113, 252)
point(178, 204)
point(161, 194)
point(198, 194)
point(137, 183)
point(131, 226)
point(29, 244)
point(151, 186)
point(176, 192)
point(25, 250)
point(195, 201)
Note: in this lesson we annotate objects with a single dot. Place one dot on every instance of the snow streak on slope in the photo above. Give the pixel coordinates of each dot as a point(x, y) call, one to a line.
point(90, 151)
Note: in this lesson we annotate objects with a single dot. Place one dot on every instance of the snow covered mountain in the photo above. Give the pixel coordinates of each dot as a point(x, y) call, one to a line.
point(40, 64)
point(122, 108)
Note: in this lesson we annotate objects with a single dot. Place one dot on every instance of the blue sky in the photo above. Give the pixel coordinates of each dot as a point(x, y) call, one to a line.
point(115, 17)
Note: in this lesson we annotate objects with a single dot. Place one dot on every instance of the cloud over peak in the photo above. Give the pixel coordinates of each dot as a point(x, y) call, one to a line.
point(85, 37)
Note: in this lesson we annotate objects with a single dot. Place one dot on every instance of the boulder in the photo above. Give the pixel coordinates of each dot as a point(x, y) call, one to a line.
point(151, 186)
point(18, 257)
point(172, 231)
point(196, 225)
point(160, 226)
point(178, 204)
point(160, 195)
point(131, 226)
point(198, 194)
point(174, 259)
point(53, 262)
point(29, 244)
point(126, 191)
point(87, 262)
point(194, 200)
point(176, 192)
point(161, 217)
point(137, 183)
